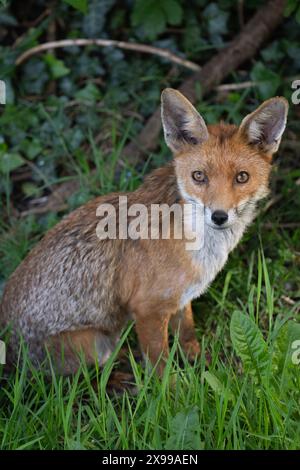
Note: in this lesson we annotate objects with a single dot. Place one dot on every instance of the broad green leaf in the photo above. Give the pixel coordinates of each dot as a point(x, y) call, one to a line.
point(217, 385)
point(185, 429)
point(250, 345)
point(81, 5)
point(10, 161)
point(30, 189)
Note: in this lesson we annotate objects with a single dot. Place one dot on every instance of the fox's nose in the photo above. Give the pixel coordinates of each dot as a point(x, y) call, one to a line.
point(219, 217)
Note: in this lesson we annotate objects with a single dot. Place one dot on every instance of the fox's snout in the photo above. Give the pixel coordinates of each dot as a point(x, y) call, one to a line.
point(219, 217)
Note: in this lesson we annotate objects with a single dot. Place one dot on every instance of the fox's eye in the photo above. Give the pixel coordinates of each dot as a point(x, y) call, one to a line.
point(242, 177)
point(199, 176)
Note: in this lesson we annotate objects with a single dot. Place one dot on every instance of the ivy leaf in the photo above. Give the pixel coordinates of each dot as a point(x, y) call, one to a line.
point(10, 161)
point(153, 16)
point(36, 75)
point(216, 22)
point(56, 66)
point(94, 21)
point(273, 53)
point(173, 11)
point(150, 15)
point(32, 148)
point(292, 50)
point(89, 93)
point(268, 81)
point(193, 42)
point(80, 5)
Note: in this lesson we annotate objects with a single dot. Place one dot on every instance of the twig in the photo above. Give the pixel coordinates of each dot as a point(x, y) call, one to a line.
point(271, 203)
point(39, 210)
point(243, 85)
point(131, 46)
point(288, 300)
point(36, 21)
point(236, 86)
point(31, 24)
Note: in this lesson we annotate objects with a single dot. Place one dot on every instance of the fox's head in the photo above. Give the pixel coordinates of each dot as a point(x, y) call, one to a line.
point(223, 167)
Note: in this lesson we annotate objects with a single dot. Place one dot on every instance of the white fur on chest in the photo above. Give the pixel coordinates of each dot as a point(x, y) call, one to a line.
point(210, 259)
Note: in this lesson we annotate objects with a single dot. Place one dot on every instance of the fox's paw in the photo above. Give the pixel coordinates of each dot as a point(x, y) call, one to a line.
point(120, 382)
point(191, 349)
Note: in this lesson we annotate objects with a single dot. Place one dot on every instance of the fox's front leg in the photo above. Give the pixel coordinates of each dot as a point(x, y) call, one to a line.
point(183, 324)
point(152, 331)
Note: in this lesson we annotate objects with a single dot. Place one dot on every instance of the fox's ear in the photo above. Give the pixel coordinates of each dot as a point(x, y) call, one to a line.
point(181, 122)
point(265, 126)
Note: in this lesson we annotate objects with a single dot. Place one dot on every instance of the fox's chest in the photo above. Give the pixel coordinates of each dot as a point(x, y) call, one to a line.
point(209, 261)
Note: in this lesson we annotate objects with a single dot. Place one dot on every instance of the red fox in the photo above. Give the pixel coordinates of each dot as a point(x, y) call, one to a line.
point(75, 292)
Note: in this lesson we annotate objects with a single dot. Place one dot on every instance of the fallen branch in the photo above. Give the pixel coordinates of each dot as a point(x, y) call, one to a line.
point(130, 46)
point(244, 47)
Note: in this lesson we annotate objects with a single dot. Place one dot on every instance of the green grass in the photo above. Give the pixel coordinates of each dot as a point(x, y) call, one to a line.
point(219, 407)
point(225, 405)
